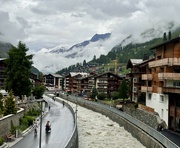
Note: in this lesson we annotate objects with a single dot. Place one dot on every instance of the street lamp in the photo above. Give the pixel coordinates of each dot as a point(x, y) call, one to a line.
point(40, 123)
point(76, 109)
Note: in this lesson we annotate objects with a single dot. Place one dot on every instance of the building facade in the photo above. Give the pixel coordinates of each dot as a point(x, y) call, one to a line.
point(163, 82)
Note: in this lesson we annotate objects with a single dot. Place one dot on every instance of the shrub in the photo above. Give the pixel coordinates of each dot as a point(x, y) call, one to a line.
point(30, 120)
point(33, 112)
point(1, 141)
point(101, 96)
point(136, 105)
point(23, 121)
point(115, 95)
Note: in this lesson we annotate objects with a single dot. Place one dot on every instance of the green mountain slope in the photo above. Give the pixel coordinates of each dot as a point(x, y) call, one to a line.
point(122, 54)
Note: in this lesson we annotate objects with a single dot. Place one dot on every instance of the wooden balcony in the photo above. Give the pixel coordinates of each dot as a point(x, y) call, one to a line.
point(166, 61)
point(171, 90)
point(147, 76)
point(169, 76)
point(146, 89)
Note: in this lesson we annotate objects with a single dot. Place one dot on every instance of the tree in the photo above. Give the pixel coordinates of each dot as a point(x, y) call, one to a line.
point(94, 93)
point(38, 91)
point(101, 96)
point(18, 70)
point(1, 104)
point(10, 104)
point(123, 90)
point(84, 63)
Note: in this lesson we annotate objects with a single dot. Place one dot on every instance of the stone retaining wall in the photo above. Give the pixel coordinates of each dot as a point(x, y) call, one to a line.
point(5, 122)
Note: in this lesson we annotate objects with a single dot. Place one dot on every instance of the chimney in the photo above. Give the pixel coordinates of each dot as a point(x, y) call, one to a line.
point(169, 36)
point(164, 37)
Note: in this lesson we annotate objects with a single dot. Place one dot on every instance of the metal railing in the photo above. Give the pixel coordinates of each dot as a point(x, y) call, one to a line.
point(147, 129)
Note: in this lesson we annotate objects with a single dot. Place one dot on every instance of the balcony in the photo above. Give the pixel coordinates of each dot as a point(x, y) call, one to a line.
point(146, 89)
point(175, 90)
point(147, 76)
point(169, 76)
point(166, 61)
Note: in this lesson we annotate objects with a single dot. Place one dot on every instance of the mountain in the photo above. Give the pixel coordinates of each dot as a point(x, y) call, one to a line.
point(125, 50)
point(81, 46)
point(4, 48)
point(59, 57)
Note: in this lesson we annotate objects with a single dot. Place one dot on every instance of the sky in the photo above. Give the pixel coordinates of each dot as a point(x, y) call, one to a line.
point(50, 23)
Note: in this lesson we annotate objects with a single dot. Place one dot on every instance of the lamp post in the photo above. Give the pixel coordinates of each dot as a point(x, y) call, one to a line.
point(76, 110)
point(40, 125)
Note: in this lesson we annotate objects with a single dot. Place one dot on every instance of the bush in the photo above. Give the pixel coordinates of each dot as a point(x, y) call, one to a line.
point(115, 95)
point(30, 120)
point(23, 121)
point(136, 105)
point(101, 96)
point(33, 112)
point(1, 141)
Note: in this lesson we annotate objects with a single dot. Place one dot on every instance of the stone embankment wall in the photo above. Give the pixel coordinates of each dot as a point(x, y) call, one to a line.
point(148, 118)
point(5, 122)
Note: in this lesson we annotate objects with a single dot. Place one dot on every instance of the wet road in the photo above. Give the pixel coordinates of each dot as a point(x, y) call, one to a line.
point(62, 125)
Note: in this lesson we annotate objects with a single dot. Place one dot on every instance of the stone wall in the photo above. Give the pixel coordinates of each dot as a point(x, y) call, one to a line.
point(146, 117)
point(5, 122)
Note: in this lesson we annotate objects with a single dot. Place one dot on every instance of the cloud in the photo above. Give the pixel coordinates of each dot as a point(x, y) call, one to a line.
point(49, 23)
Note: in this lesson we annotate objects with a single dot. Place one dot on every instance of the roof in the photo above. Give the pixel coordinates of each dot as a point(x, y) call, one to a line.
point(145, 62)
point(107, 73)
point(81, 73)
point(56, 75)
point(133, 62)
point(166, 42)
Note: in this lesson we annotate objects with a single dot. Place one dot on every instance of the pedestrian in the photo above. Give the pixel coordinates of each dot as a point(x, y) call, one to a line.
point(63, 103)
point(49, 107)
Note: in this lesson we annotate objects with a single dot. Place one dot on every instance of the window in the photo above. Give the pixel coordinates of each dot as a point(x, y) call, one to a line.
point(134, 80)
point(134, 89)
point(176, 84)
point(161, 98)
point(149, 96)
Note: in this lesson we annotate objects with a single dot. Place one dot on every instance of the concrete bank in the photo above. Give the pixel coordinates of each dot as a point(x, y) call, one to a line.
point(148, 136)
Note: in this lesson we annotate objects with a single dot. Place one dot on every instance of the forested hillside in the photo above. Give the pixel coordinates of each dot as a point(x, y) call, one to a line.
point(120, 53)
point(4, 48)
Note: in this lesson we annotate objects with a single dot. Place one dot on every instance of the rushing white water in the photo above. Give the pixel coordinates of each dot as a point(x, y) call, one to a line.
point(98, 131)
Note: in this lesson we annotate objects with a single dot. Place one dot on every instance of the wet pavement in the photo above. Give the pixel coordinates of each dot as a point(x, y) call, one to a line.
point(173, 136)
point(62, 123)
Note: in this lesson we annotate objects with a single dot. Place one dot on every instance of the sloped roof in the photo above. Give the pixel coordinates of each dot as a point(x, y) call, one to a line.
point(133, 62)
point(81, 73)
point(56, 75)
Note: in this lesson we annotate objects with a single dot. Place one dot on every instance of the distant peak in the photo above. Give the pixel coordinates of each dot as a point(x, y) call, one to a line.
point(97, 37)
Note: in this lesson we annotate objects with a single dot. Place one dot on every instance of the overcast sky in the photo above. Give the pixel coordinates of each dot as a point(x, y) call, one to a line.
point(48, 23)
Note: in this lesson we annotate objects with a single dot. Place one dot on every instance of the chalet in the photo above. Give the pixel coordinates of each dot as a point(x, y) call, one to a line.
point(162, 86)
point(71, 81)
point(138, 67)
point(53, 81)
point(86, 84)
point(107, 82)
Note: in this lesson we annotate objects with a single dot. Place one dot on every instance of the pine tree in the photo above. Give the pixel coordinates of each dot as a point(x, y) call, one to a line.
point(94, 92)
point(1, 104)
point(10, 104)
point(123, 90)
point(18, 70)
